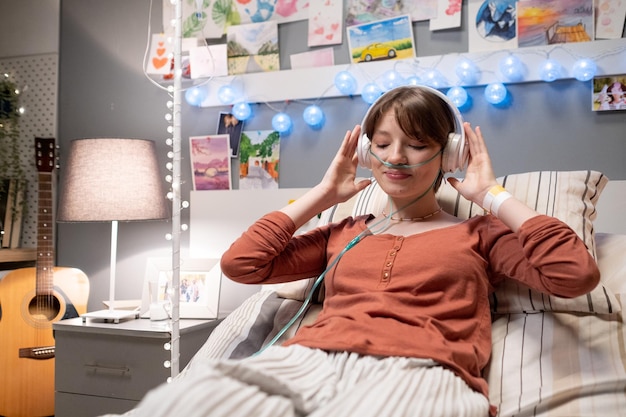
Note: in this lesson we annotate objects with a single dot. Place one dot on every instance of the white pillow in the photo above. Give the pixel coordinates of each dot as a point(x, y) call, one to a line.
point(611, 250)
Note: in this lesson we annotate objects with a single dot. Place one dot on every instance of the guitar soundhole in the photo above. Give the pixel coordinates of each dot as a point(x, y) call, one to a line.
point(44, 307)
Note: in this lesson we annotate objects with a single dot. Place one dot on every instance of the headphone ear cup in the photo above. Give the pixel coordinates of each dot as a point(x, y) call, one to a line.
point(362, 151)
point(456, 154)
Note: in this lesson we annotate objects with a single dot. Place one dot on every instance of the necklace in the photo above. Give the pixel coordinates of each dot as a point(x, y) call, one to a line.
point(413, 219)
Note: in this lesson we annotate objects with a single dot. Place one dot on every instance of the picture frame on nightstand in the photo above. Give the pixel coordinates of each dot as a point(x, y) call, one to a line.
point(200, 284)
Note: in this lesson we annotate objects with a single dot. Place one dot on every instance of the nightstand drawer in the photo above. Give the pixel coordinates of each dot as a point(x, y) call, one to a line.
point(109, 365)
point(72, 405)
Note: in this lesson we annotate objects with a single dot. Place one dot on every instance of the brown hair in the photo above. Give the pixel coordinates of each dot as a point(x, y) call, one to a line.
point(420, 113)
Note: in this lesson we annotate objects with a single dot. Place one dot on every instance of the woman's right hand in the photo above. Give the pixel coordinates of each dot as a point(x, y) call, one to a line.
point(337, 185)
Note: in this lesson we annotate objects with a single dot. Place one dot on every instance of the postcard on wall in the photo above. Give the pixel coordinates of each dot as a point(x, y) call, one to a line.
point(610, 17)
point(384, 39)
point(448, 15)
point(547, 22)
point(280, 11)
point(229, 125)
point(158, 59)
point(323, 57)
point(364, 11)
point(325, 23)
point(492, 25)
point(201, 19)
point(253, 48)
point(259, 157)
point(609, 93)
point(208, 61)
point(210, 162)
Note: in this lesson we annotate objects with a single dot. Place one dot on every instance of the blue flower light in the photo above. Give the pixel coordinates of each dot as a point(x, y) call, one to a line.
point(314, 116)
point(584, 69)
point(345, 82)
point(370, 93)
point(281, 122)
point(196, 95)
point(550, 70)
point(495, 93)
point(511, 68)
point(242, 110)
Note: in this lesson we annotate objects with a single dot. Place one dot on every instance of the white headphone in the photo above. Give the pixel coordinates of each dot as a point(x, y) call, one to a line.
point(455, 154)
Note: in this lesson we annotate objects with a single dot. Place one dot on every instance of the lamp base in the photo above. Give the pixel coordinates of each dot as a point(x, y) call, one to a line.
point(110, 315)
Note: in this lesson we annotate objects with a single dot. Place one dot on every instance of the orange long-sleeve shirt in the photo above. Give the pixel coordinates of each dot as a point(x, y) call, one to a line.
point(424, 295)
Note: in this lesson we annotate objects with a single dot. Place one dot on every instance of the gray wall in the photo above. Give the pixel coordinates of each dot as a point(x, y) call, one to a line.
point(103, 93)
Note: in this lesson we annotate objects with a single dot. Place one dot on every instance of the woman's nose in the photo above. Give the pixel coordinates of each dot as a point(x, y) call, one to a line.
point(396, 155)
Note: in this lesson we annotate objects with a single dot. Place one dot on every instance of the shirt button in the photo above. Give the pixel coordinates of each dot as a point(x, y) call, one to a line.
point(389, 263)
point(392, 253)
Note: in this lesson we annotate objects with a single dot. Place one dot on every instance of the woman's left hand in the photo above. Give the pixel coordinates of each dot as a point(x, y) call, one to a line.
point(479, 176)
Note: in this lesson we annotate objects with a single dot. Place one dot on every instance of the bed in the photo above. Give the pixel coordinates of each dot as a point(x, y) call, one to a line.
point(551, 356)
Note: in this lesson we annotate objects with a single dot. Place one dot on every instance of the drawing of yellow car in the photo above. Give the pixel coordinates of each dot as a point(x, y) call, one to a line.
point(377, 51)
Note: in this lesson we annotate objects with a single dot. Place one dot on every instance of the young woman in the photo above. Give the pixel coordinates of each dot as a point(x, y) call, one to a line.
point(405, 329)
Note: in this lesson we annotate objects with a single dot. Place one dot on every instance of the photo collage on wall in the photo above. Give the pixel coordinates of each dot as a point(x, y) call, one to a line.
point(508, 24)
point(230, 37)
point(258, 153)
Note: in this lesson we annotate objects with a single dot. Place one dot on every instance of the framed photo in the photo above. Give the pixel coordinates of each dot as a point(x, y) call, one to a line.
point(200, 283)
point(231, 126)
point(609, 93)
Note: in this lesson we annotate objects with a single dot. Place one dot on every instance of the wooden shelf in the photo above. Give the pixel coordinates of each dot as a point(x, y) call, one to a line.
point(17, 255)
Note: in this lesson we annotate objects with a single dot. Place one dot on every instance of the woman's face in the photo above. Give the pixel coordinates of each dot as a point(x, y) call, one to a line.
point(391, 145)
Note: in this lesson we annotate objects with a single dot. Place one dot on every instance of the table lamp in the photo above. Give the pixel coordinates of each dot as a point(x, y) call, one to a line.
point(111, 180)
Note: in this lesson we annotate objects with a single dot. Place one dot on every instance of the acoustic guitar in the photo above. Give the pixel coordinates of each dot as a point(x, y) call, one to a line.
point(31, 299)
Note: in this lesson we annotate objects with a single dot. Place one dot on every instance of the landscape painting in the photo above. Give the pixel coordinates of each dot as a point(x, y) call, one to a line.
point(259, 157)
point(210, 162)
point(253, 48)
point(541, 22)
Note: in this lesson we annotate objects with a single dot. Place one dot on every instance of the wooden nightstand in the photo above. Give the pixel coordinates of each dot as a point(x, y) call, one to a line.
point(107, 368)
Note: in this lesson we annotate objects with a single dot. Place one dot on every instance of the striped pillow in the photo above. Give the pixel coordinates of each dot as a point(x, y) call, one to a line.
point(570, 196)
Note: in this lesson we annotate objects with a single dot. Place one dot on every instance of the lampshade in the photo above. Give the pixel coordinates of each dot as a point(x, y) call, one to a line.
point(111, 179)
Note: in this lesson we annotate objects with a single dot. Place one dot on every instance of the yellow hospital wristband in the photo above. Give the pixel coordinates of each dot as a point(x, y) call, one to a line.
point(494, 198)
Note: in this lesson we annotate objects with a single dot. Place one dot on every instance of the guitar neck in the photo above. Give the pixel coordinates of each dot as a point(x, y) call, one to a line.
point(45, 236)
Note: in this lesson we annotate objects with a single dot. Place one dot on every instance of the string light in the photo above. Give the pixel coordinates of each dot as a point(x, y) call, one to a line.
point(281, 122)
point(467, 71)
point(392, 79)
point(345, 83)
point(227, 94)
point(314, 116)
point(196, 95)
point(434, 78)
point(584, 69)
point(242, 110)
point(511, 68)
point(495, 93)
point(550, 70)
point(458, 96)
point(370, 93)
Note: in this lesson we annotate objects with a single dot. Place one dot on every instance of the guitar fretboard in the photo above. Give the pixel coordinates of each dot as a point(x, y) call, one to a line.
point(45, 221)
